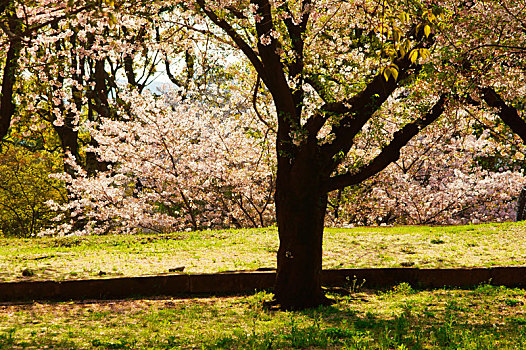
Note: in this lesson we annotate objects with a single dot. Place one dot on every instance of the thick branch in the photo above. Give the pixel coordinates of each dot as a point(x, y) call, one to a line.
point(275, 80)
point(98, 95)
point(255, 105)
point(128, 69)
point(274, 75)
point(508, 114)
point(296, 63)
point(360, 108)
point(316, 122)
point(391, 152)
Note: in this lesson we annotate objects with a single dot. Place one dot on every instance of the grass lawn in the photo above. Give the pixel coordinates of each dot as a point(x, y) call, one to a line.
point(214, 251)
point(400, 318)
point(486, 317)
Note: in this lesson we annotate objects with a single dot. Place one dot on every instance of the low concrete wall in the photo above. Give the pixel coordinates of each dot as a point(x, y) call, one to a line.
point(243, 281)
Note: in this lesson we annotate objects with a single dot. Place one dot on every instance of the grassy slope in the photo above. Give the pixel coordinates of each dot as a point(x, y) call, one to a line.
point(485, 318)
point(213, 251)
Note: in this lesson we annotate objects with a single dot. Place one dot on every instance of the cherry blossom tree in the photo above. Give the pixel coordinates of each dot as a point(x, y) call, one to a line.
point(175, 165)
point(22, 23)
point(329, 68)
point(454, 172)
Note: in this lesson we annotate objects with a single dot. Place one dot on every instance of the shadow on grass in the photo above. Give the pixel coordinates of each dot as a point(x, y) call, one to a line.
point(405, 331)
point(486, 317)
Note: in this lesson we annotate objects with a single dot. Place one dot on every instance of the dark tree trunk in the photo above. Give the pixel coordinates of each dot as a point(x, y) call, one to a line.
point(521, 205)
point(69, 142)
point(7, 106)
point(301, 202)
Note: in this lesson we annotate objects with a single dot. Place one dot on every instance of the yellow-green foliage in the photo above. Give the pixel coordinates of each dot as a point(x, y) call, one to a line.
point(25, 186)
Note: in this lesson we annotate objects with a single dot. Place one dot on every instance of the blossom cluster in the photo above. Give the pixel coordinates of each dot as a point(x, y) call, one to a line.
point(440, 178)
point(174, 165)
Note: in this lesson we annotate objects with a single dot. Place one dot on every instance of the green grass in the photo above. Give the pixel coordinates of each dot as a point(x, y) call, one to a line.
point(214, 251)
point(400, 318)
point(486, 317)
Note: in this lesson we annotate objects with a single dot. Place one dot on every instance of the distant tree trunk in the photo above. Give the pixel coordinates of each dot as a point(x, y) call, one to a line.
point(7, 105)
point(521, 205)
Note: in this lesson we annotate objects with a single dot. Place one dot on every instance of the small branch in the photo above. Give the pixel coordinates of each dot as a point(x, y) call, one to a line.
point(519, 48)
point(170, 75)
point(255, 105)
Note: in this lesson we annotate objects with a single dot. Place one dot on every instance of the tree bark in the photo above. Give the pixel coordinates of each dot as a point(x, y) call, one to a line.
point(507, 113)
point(521, 205)
point(301, 201)
point(7, 105)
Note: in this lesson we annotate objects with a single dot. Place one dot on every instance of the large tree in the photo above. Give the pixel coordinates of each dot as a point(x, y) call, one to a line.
point(329, 67)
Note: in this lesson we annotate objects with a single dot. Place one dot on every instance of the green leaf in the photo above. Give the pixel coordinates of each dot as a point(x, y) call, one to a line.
point(413, 55)
point(387, 73)
point(402, 50)
point(427, 30)
point(397, 34)
point(405, 47)
point(424, 53)
point(390, 51)
point(112, 19)
point(393, 68)
point(404, 17)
